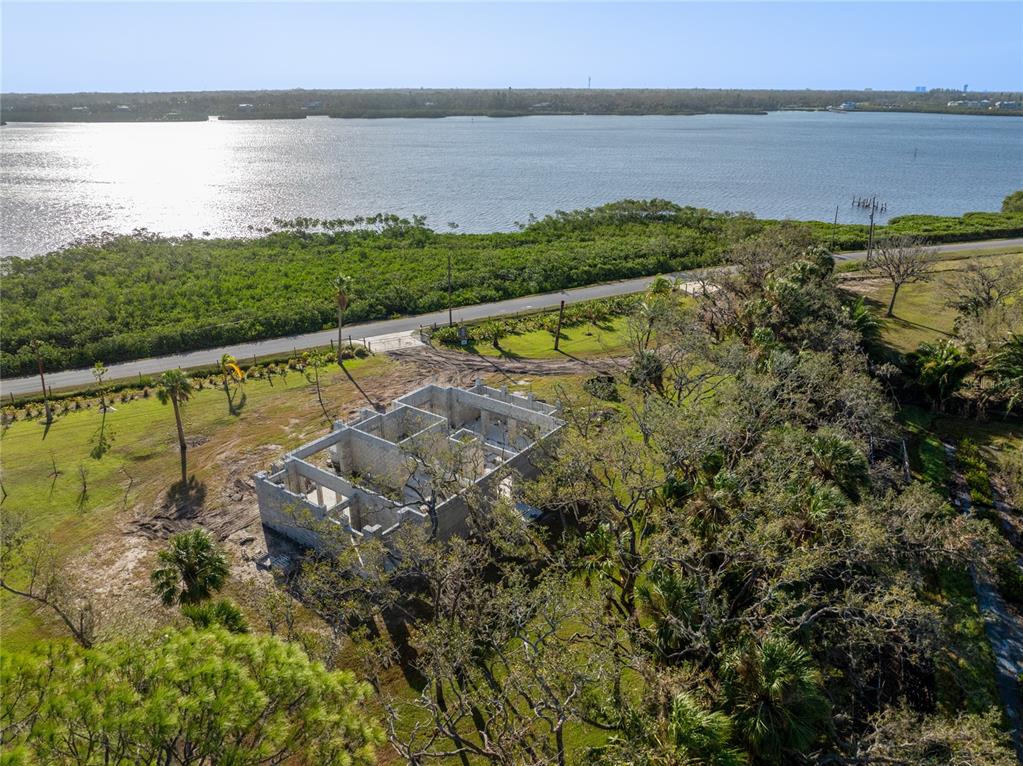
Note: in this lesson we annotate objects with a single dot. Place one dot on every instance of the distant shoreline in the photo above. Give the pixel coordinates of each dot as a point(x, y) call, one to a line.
point(509, 115)
point(421, 103)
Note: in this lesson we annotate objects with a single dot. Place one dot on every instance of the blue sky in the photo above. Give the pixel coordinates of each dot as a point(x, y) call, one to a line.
point(58, 47)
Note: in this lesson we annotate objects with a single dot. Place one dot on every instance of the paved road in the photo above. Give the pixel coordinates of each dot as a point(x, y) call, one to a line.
point(289, 344)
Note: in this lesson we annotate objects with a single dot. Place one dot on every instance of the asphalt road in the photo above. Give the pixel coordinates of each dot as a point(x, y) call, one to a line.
point(292, 343)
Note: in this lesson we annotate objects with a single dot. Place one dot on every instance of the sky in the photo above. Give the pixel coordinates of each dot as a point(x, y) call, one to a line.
point(148, 46)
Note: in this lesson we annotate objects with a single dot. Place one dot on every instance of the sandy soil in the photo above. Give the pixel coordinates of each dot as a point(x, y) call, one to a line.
point(115, 570)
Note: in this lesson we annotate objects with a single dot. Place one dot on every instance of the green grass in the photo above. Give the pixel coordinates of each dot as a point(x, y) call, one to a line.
point(142, 462)
point(922, 314)
point(965, 668)
point(585, 340)
point(927, 459)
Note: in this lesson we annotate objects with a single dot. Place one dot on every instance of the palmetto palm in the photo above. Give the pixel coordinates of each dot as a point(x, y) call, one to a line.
point(669, 599)
point(230, 372)
point(941, 369)
point(174, 387)
point(342, 292)
point(864, 321)
point(838, 460)
point(774, 694)
point(192, 567)
point(701, 736)
point(1006, 368)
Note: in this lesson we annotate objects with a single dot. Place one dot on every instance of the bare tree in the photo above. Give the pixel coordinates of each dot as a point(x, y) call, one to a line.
point(981, 287)
point(902, 261)
point(29, 570)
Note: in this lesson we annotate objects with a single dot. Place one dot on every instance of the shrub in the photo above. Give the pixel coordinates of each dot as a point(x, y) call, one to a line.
point(602, 387)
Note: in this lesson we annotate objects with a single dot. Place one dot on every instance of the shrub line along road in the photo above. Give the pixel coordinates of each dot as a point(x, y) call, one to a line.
point(293, 343)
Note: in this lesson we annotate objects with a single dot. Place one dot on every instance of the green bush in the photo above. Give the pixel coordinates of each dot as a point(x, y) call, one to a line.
point(975, 470)
point(1010, 582)
point(128, 297)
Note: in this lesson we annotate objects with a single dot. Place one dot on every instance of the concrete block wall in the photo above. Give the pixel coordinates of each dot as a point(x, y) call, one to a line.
point(288, 514)
point(367, 447)
point(372, 456)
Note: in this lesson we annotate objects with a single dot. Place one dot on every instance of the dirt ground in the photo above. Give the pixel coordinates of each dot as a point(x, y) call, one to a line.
point(115, 569)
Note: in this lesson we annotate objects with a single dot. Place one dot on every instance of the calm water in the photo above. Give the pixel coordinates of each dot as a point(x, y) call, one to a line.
point(63, 181)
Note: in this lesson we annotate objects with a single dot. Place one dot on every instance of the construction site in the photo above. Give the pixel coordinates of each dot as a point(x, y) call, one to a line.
point(415, 462)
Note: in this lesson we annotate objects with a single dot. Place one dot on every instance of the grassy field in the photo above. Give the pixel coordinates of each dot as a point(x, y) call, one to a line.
point(77, 501)
point(922, 313)
point(585, 340)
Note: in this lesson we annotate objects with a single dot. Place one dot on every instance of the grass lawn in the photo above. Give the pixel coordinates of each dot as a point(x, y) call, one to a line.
point(72, 498)
point(585, 340)
point(921, 310)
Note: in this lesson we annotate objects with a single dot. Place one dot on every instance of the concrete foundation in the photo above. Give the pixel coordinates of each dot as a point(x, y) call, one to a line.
point(416, 460)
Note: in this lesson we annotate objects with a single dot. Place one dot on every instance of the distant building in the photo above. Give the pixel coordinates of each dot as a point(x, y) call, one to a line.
point(847, 106)
point(123, 108)
point(246, 107)
point(312, 105)
point(1007, 105)
point(920, 89)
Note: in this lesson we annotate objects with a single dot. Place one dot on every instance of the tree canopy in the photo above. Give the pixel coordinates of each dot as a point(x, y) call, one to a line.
point(185, 697)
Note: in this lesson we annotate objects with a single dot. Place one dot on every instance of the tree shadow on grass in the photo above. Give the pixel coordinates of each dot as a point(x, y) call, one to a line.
point(502, 353)
point(920, 326)
point(181, 506)
point(236, 407)
point(397, 630)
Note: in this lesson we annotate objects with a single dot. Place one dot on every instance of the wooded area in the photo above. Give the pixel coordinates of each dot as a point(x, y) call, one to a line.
point(432, 102)
point(126, 297)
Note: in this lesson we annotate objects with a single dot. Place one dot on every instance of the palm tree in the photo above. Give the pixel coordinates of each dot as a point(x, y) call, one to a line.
point(669, 599)
point(773, 690)
point(342, 291)
point(213, 613)
point(1006, 367)
point(174, 387)
point(838, 460)
point(230, 371)
point(99, 371)
point(941, 370)
point(192, 567)
point(864, 322)
point(701, 736)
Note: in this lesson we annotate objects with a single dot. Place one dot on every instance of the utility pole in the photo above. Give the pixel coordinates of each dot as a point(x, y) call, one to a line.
point(870, 233)
point(834, 229)
point(42, 380)
point(451, 321)
point(557, 333)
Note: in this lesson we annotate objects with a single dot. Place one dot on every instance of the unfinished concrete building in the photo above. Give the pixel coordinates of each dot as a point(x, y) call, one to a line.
point(413, 463)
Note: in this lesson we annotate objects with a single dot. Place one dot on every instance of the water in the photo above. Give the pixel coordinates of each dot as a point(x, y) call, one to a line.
point(60, 182)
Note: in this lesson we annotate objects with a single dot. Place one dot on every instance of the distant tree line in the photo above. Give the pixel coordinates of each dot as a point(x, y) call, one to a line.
point(422, 102)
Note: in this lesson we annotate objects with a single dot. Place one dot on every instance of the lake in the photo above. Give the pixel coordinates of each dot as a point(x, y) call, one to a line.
point(63, 181)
